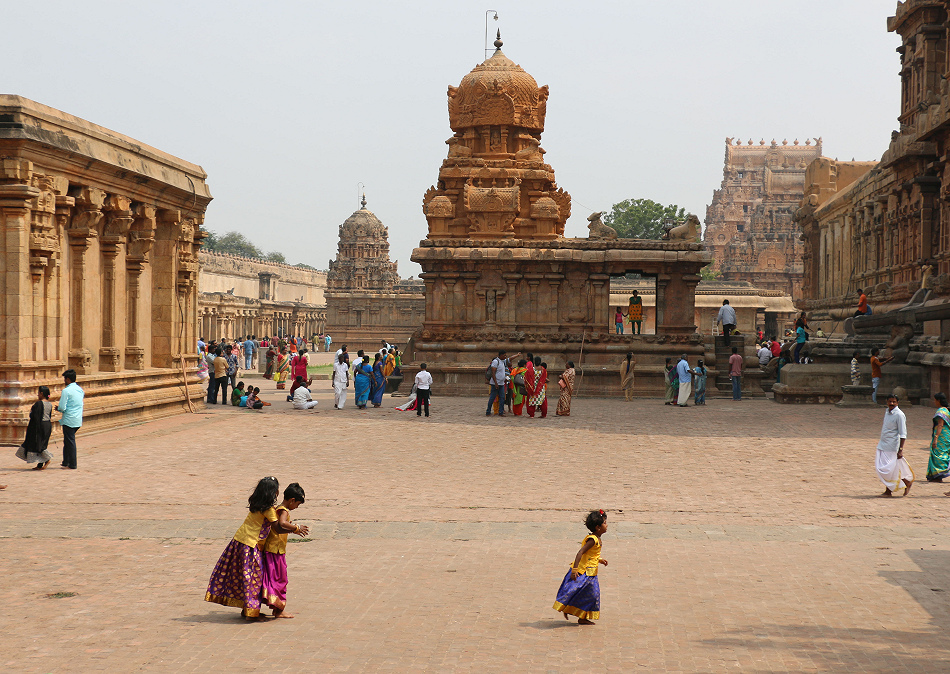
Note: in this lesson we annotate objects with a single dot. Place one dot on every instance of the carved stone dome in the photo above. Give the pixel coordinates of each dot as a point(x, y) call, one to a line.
point(498, 92)
point(362, 223)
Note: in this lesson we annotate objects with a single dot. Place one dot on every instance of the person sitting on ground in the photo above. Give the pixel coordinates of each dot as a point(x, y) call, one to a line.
point(298, 382)
point(765, 355)
point(237, 393)
point(302, 399)
point(254, 401)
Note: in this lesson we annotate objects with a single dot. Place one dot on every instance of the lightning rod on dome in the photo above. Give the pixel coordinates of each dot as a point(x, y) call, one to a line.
point(361, 192)
point(487, 12)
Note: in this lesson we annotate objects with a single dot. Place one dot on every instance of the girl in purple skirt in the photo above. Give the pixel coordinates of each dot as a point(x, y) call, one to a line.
point(579, 594)
point(238, 575)
point(274, 556)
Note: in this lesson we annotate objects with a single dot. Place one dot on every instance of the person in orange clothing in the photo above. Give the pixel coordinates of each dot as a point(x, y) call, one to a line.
point(862, 303)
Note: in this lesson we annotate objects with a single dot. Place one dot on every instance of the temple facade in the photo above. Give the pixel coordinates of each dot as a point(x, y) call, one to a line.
point(366, 301)
point(499, 273)
point(750, 226)
point(884, 227)
point(100, 248)
point(247, 296)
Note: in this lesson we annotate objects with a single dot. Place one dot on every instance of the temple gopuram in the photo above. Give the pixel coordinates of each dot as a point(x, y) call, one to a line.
point(498, 271)
point(366, 301)
point(100, 249)
point(750, 225)
point(885, 227)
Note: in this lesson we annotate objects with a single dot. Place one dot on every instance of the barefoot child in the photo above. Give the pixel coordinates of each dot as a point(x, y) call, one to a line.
point(274, 588)
point(236, 579)
point(579, 593)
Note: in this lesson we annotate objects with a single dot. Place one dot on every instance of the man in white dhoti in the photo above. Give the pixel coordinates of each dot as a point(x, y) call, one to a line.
point(892, 467)
point(686, 381)
point(341, 380)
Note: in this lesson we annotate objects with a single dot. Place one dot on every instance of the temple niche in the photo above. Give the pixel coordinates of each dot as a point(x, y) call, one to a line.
point(750, 225)
point(498, 271)
point(366, 300)
point(100, 248)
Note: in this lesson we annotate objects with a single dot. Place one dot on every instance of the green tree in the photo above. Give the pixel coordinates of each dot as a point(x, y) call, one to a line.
point(710, 273)
point(642, 218)
point(275, 257)
point(233, 243)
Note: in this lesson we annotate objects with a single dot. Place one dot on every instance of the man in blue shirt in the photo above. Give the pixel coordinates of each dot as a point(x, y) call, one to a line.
point(70, 404)
point(686, 380)
point(249, 349)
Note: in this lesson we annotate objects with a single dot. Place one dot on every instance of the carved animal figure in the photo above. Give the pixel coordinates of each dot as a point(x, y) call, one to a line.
point(457, 148)
point(532, 150)
point(685, 231)
point(899, 343)
point(598, 230)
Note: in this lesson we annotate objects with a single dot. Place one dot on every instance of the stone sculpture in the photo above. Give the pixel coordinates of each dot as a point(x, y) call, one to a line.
point(685, 231)
point(598, 230)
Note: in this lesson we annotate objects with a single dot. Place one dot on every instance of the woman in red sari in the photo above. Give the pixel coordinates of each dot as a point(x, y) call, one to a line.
point(299, 365)
point(537, 396)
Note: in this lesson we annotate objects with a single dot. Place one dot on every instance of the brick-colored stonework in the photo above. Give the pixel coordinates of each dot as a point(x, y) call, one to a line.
point(750, 225)
point(100, 252)
point(498, 272)
point(367, 302)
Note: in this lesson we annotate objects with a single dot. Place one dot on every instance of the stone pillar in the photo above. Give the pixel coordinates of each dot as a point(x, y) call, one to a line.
point(141, 238)
point(509, 315)
point(82, 230)
point(118, 221)
point(676, 303)
point(16, 195)
point(600, 302)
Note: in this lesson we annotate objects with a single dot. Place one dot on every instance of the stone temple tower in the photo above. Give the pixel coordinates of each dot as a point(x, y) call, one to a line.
point(494, 183)
point(367, 302)
point(498, 271)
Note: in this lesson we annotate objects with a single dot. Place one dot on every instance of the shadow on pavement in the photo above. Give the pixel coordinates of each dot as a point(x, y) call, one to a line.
point(549, 624)
point(215, 617)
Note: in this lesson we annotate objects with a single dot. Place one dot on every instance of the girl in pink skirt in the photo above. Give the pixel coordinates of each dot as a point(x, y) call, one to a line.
point(236, 579)
point(274, 556)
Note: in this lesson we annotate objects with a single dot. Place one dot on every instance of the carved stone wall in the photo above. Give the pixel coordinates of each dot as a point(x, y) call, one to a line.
point(100, 248)
point(750, 225)
point(367, 302)
point(877, 226)
point(247, 296)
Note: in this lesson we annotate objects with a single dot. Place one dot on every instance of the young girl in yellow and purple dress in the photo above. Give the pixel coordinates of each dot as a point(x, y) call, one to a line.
point(579, 594)
point(237, 577)
point(274, 556)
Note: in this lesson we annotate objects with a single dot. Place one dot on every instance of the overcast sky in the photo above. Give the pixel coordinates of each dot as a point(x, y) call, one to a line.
point(289, 105)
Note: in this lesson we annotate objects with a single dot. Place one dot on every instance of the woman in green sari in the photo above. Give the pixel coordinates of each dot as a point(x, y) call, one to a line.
point(939, 466)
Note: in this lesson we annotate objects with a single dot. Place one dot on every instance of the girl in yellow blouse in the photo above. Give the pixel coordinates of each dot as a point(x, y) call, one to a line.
point(274, 556)
point(579, 594)
point(236, 579)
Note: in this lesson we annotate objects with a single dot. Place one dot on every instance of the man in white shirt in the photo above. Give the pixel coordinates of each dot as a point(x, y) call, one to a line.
point(496, 378)
point(423, 384)
point(891, 465)
point(302, 399)
point(765, 355)
point(341, 380)
point(726, 316)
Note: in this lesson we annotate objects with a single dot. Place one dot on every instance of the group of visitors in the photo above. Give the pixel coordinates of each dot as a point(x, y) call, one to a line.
point(892, 468)
point(683, 380)
point(633, 314)
point(35, 447)
point(369, 374)
point(324, 340)
point(523, 387)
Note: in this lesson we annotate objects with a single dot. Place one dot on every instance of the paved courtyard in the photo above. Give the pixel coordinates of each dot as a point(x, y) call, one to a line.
point(744, 537)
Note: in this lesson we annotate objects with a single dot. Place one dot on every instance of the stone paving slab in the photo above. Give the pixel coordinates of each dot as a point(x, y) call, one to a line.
point(743, 537)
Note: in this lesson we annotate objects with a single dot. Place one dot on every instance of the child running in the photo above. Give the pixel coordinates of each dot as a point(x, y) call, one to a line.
point(237, 577)
point(274, 586)
point(579, 594)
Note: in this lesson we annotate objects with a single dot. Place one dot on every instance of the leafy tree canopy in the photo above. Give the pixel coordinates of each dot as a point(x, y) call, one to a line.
point(642, 218)
point(235, 243)
point(275, 257)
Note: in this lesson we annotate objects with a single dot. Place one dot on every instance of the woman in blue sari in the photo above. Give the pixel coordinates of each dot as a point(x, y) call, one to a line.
point(939, 466)
point(364, 374)
point(379, 381)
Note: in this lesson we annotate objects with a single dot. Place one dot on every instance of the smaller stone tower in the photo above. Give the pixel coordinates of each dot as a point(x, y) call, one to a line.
point(362, 259)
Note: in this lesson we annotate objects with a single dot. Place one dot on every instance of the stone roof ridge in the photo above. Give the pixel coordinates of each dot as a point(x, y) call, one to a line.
point(48, 113)
point(257, 260)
